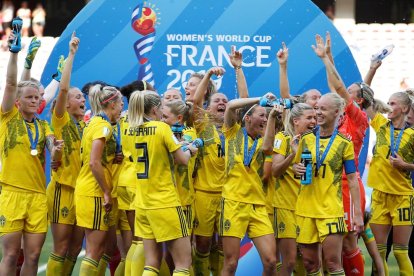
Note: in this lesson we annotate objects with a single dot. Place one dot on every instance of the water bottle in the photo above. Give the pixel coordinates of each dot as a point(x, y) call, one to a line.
point(286, 103)
point(197, 143)
point(306, 160)
point(383, 53)
point(177, 129)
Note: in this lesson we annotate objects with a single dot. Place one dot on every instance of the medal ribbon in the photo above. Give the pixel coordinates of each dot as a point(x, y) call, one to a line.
point(394, 148)
point(116, 137)
point(33, 143)
point(320, 159)
point(248, 154)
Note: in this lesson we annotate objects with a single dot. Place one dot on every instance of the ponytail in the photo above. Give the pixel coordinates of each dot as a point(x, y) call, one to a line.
point(140, 104)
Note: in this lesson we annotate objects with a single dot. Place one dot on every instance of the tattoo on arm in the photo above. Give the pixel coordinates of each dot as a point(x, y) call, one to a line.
point(49, 142)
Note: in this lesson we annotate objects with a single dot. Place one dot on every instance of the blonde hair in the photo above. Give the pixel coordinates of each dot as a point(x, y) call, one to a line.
point(185, 109)
point(101, 96)
point(404, 99)
point(23, 84)
point(140, 104)
point(381, 107)
point(297, 111)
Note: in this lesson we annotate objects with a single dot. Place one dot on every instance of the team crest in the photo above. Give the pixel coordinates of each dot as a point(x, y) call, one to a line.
point(2, 221)
point(227, 225)
point(64, 211)
point(282, 227)
point(106, 219)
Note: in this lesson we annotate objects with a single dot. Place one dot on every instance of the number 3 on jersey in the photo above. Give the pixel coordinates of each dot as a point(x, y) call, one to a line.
point(143, 159)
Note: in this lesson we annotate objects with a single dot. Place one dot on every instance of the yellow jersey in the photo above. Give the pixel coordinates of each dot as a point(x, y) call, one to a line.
point(287, 185)
point(18, 167)
point(269, 188)
point(154, 145)
point(86, 184)
point(382, 176)
point(243, 184)
point(128, 175)
point(184, 173)
point(70, 132)
point(323, 197)
point(210, 160)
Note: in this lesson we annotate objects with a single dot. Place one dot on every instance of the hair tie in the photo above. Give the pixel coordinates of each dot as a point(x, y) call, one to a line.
point(145, 85)
point(110, 98)
point(245, 114)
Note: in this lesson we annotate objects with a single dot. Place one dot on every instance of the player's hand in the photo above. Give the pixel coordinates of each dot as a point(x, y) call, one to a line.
point(319, 48)
point(270, 96)
point(397, 162)
point(328, 44)
point(31, 53)
point(358, 223)
point(58, 145)
point(299, 169)
point(236, 57)
point(294, 143)
point(108, 202)
point(193, 150)
point(283, 54)
point(119, 157)
point(375, 64)
point(61, 65)
point(74, 44)
point(54, 165)
point(218, 71)
point(277, 110)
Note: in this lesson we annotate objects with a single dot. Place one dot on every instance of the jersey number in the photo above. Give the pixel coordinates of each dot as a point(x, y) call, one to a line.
point(404, 214)
point(144, 159)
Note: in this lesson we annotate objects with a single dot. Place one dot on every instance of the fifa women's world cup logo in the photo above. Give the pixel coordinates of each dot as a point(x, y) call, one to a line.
point(143, 21)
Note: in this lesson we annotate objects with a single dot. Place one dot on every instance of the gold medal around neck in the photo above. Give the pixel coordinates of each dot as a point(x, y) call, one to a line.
point(33, 152)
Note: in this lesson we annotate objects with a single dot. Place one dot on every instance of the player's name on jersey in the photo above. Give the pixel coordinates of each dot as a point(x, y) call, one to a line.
point(141, 131)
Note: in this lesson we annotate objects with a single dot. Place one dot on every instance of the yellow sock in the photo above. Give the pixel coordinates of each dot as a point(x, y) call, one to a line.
point(68, 265)
point(150, 271)
point(200, 263)
point(128, 259)
point(299, 266)
point(213, 261)
point(164, 269)
point(181, 272)
point(220, 261)
point(382, 250)
point(138, 260)
point(337, 273)
point(55, 264)
point(89, 267)
point(278, 267)
point(120, 270)
point(404, 263)
point(103, 264)
point(317, 273)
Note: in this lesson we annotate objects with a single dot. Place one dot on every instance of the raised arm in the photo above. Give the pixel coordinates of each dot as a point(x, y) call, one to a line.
point(328, 47)
point(202, 86)
point(95, 164)
point(282, 57)
point(333, 77)
point(375, 64)
point(31, 54)
point(10, 91)
point(236, 59)
point(269, 137)
point(230, 115)
point(62, 99)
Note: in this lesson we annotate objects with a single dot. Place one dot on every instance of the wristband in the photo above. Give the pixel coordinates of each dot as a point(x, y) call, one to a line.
point(237, 67)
